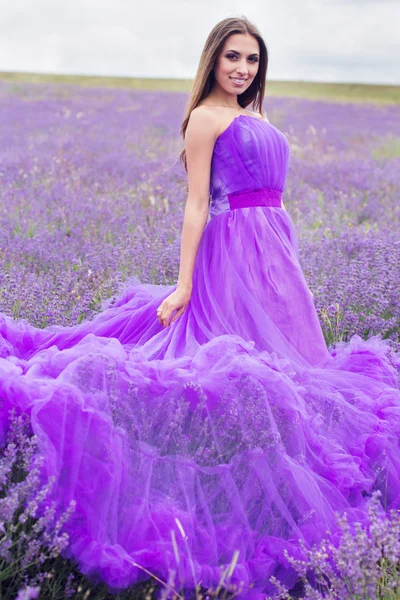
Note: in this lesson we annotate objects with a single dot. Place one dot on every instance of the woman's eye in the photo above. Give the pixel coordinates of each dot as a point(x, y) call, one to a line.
point(253, 59)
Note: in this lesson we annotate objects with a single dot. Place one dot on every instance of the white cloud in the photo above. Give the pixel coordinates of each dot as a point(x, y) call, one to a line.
point(318, 40)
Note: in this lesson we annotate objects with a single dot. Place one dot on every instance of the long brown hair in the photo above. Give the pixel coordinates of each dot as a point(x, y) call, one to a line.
point(204, 79)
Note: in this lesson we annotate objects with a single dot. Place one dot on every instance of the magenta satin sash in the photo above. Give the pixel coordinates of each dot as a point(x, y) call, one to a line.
point(261, 197)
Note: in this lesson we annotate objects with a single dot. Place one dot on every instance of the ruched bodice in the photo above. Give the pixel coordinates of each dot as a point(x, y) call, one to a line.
point(250, 154)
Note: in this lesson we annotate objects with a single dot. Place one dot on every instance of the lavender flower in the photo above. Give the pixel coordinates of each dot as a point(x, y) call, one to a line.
point(27, 540)
point(363, 565)
point(28, 593)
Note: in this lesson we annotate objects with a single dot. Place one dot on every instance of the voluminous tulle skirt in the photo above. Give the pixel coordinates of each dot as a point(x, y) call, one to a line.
point(234, 429)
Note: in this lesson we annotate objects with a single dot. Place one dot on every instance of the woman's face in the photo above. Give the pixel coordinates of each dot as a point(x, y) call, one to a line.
point(237, 64)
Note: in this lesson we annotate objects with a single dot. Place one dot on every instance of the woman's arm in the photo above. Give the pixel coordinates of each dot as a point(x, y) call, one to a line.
point(200, 137)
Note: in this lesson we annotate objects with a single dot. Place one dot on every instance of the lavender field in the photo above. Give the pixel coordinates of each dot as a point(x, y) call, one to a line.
point(92, 193)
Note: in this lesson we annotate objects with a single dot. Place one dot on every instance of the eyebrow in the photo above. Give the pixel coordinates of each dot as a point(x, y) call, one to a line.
point(236, 52)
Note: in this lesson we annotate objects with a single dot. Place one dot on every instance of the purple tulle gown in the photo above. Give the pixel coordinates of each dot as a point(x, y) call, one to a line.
point(233, 429)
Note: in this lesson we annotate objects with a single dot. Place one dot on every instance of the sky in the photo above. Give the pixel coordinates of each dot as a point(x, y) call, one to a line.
point(350, 41)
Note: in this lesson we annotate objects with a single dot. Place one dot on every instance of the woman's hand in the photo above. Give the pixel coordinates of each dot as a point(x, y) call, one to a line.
point(177, 301)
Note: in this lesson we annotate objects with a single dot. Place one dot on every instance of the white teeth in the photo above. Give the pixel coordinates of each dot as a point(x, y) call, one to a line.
point(238, 80)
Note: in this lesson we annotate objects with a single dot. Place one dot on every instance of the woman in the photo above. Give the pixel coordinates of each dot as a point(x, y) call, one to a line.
point(207, 422)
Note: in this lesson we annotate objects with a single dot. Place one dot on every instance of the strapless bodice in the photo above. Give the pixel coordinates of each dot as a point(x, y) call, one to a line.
point(248, 155)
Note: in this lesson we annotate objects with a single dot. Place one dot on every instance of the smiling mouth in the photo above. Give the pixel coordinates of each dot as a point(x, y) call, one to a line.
point(238, 80)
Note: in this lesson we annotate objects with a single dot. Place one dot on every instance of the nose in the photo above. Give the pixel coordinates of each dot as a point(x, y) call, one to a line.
point(241, 69)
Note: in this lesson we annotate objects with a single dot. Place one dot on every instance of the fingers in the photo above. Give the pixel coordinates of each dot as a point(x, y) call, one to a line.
point(164, 313)
point(161, 314)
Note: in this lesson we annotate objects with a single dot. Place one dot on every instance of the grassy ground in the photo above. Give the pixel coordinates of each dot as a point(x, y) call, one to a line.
point(341, 92)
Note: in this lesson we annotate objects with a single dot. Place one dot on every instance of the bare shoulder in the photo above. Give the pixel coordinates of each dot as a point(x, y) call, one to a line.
point(203, 124)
